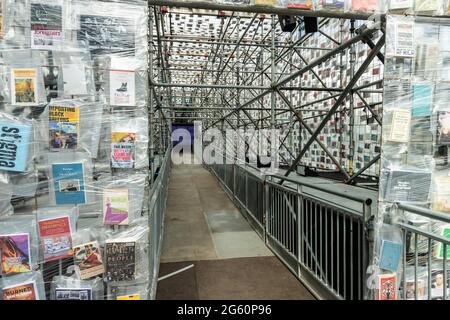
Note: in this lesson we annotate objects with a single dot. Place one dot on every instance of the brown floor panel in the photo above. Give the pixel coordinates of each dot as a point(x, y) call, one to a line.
point(259, 278)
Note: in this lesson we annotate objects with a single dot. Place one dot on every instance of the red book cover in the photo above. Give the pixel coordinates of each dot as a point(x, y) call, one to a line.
point(25, 291)
point(388, 287)
point(361, 5)
point(56, 239)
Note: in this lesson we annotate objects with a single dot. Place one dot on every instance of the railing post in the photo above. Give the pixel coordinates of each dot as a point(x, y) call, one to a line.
point(299, 228)
point(233, 167)
point(266, 199)
point(246, 189)
point(367, 212)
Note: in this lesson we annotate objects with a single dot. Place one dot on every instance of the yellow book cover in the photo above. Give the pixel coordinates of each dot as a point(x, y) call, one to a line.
point(123, 149)
point(24, 87)
point(265, 2)
point(129, 297)
point(64, 127)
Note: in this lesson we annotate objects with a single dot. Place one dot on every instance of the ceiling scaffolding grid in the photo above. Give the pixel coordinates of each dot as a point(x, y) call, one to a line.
point(235, 69)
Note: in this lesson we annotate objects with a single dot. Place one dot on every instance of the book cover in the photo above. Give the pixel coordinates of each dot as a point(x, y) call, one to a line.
point(15, 253)
point(404, 39)
point(408, 186)
point(400, 4)
point(333, 4)
point(115, 207)
point(88, 258)
point(64, 127)
point(136, 296)
point(46, 26)
point(439, 252)
point(122, 88)
point(400, 126)
point(422, 100)
point(69, 183)
point(368, 5)
point(73, 294)
point(300, 4)
point(265, 2)
point(391, 253)
point(438, 284)
point(107, 34)
point(443, 128)
point(22, 291)
point(427, 5)
point(441, 194)
point(387, 284)
point(411, 289)
point(123, 147)
point(51, 79)
point(56, 238)
point(120, 260)
point(24, 87)
point(14, 146)
point(74, 76)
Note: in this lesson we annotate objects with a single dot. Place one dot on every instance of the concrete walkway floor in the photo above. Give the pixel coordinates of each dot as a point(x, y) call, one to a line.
point(204, 228)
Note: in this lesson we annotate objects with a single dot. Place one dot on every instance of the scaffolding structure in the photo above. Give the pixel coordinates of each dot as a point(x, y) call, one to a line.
point(232, 66)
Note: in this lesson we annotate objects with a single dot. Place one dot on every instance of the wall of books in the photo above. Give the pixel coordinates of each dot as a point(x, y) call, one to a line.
point(410, 263)
point(74, 150)
point(335, 73)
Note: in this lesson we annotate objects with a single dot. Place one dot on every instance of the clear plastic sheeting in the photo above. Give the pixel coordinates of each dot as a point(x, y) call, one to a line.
point(411, 229)
point(74, 158)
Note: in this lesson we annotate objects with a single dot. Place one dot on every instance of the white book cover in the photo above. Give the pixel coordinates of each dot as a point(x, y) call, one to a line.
point(74, 76)
point(122, 88)
point(404, 39)
point(401, 4)
point(401, 126)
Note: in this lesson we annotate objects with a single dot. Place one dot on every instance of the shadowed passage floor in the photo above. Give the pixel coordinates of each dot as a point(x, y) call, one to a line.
point(230, 261)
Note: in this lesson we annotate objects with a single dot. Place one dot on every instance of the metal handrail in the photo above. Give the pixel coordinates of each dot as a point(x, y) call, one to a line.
point(444, 217)
point(366, 201)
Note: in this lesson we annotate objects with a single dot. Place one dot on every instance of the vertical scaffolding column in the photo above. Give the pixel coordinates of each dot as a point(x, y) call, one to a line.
point(273, 83)
point(351, 152)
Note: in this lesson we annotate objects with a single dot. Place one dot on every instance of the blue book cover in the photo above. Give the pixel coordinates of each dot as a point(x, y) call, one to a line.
point(422, 100)
point(69, 183)
point(14, 146)
point(391, 253)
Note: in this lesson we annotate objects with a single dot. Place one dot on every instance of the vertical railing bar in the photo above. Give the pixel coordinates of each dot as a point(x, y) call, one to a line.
point(416, 262)
point(310, 240)
point(327, 242)
point(445, 271)
point(404, 264)
point(316, 251)
point(278, 215)
point(307, 247)
point(283, 220)
point(293, 222)
point(429, 268)
point(338, 246)
point(332, 248)
point(321, 242)
point(351, 257)
point(360, 255)
point(344, 235)
point(302, 203)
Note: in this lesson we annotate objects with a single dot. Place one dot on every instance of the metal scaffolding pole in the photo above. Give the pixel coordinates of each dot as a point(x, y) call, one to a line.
point(307, 68)
point(208, 5)
point(337, 104)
